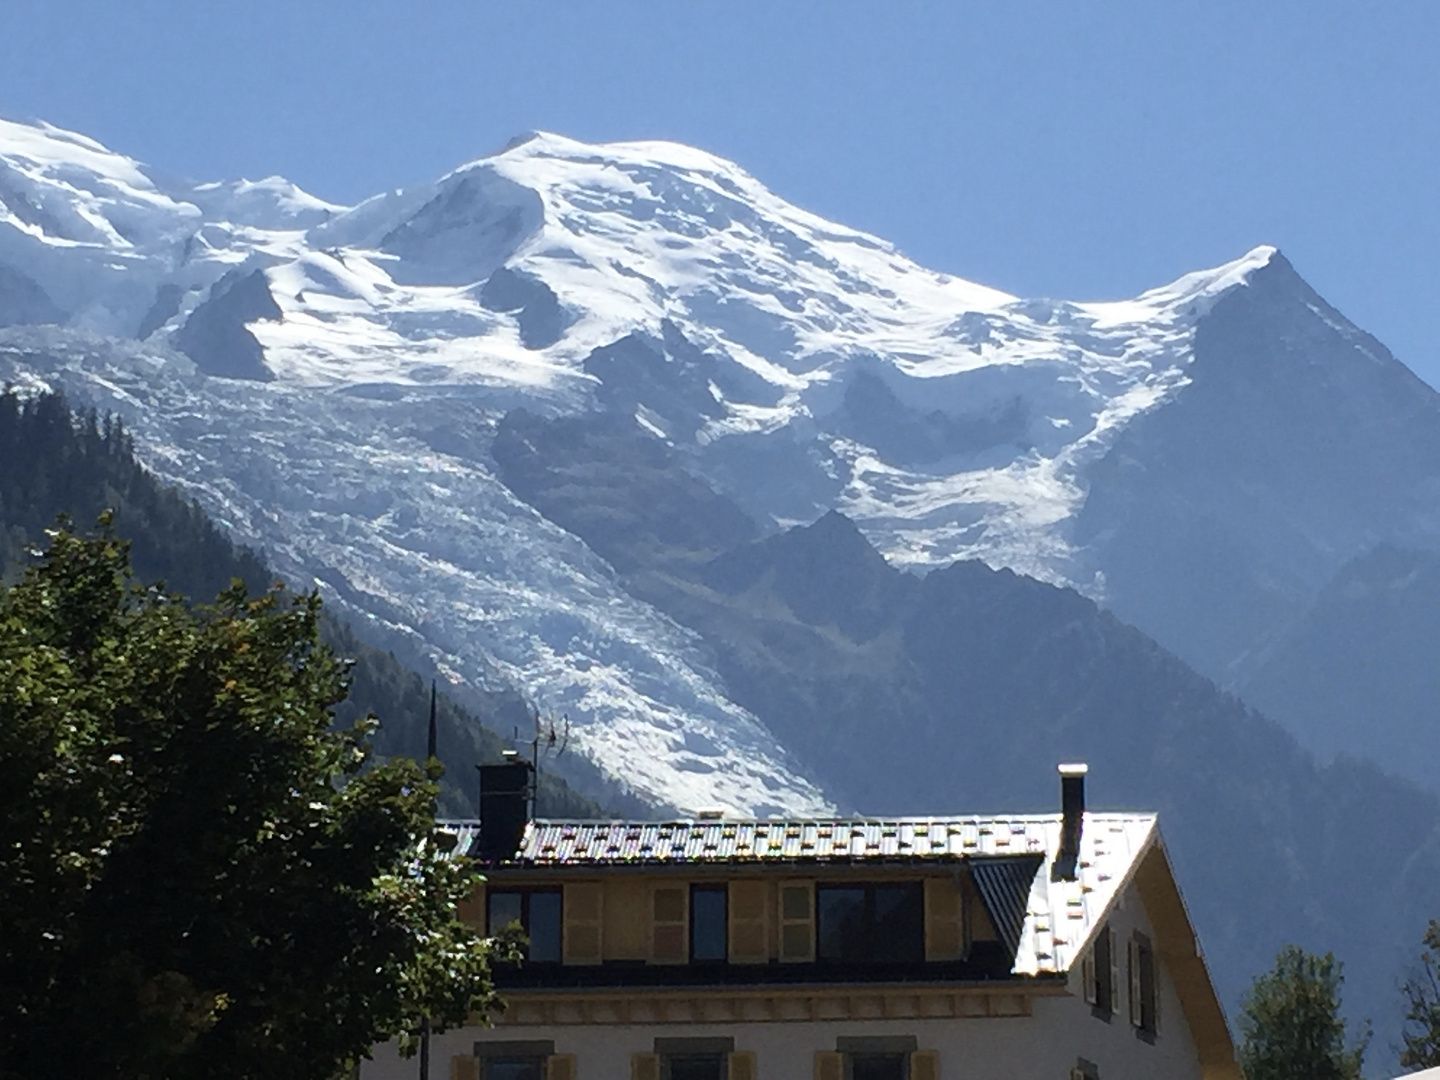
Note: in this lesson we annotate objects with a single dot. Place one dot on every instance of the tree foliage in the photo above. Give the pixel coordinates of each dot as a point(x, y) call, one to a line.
point(199, 874)
point(1421, 1034)
point(1290, 1022)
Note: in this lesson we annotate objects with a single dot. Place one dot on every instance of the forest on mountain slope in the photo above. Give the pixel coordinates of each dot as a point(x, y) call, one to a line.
point(56, 461)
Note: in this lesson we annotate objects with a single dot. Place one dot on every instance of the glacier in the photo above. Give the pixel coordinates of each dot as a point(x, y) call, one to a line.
point(796, 364)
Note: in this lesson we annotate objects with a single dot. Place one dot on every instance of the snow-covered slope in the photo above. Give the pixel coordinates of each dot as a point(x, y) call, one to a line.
point(796, 364)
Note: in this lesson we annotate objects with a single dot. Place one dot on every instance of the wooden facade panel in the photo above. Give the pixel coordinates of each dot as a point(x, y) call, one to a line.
point(584, 912)
point(749, 913)
point(944, 919)
point(740, 1065)
point(627, 919)
point(925, 1065)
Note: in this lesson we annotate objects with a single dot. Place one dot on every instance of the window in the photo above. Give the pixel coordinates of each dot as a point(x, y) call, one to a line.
point(877, 1067)
point(877, 1057)
point(709, 917)
point(513, 1060)
point(870, 924)
point(1144, 988)
point(693, 1058)
point(536, 911)
point(1100, 971)
point(513, 1068)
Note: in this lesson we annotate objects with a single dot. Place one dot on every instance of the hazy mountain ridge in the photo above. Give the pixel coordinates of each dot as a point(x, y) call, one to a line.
point(901, 693)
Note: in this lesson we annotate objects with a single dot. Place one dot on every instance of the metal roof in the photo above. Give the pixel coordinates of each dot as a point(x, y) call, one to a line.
point(606, 843)
point(1052, 920)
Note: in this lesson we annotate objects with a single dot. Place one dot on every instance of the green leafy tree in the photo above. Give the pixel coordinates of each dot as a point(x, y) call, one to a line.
point(1290, 1022)
point(200, 876)
point(1422, 994)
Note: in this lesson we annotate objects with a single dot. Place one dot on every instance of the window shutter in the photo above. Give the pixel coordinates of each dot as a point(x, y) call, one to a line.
point(1114, 973)
point(944, 919)
point(560, 1067)
point(644, 1067)
point(829, 1065)
point(740, 1065)
point(1087, 976)
point(669, 923)
point(1137, 1006)
point(797, 921)
point(583, 912)
point(465, 1068)
point(1155, 994)
point(749, 922)
point(925, 1065)
point(471, 910)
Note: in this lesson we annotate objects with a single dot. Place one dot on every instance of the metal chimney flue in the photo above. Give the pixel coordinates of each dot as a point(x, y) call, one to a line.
point(506, 791)
point(1072, 819)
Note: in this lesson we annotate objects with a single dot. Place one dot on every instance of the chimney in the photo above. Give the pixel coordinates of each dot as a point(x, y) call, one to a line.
point(505, 793)
point(1072, 819)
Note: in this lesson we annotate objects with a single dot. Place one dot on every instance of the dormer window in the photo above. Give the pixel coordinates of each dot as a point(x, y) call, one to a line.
point(870, 923)
point(536, 912)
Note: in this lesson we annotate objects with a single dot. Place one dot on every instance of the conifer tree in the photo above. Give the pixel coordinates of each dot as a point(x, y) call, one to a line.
point(1290, 1022)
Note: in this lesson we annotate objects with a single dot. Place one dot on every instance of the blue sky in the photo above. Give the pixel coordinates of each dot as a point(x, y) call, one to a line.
point(1054, 149)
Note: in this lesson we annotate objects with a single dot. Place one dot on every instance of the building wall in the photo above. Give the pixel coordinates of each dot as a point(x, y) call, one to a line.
point(1045, 1044)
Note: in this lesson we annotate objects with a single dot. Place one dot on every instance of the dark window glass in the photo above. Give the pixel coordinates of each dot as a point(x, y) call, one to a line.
point(899, 924)
point(878, 924)
point(708, 924)
point(841, 929)
point(1145, 957)
point(694, 1067)
point(537, 913)
point(514, 1069)
point(506, 908)
point(1105, 988)
point(877, 1066)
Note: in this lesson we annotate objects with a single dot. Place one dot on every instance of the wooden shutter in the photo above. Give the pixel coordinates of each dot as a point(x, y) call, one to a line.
point(1137, 1007)
point(669, 924)
point(749, 922)
point(925, 1065)
point(584, 911)
point(1114, 973)
point(740, 1065)
point(1087, 977)
point(464, 1067)
point(829, 1065)
point(1155, 994)
point(644, 1067)
point(471, 910)
point(797, 921)
point(944, 919)
point(560, 1067)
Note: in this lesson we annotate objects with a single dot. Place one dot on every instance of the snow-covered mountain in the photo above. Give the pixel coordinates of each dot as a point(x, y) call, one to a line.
point(326, 379)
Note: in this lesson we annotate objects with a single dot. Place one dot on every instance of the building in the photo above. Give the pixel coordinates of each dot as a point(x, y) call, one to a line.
point(965, 948)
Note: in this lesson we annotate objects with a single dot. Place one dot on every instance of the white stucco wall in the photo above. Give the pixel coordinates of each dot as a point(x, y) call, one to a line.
point(1042, 1046)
